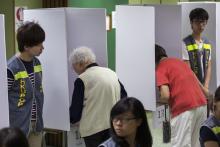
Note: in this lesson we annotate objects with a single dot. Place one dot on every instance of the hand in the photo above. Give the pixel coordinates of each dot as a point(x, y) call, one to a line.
point(75, 124)
point(205, 90)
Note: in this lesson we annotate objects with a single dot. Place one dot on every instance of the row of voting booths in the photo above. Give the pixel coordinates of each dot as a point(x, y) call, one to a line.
point(138, 28)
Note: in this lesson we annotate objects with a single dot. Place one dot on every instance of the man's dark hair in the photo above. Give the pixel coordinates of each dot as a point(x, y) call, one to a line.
point(12, 137)
point(160, 52)
point(217, 95)
point(29, 35)
point(198, 14)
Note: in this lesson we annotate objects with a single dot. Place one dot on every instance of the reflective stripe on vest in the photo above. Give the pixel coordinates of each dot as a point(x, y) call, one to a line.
point(216, 130)
point(193, 47)
point(37, 68)
point(207, 46)
point(198, 62)
point(21, 75)
point(24, 74)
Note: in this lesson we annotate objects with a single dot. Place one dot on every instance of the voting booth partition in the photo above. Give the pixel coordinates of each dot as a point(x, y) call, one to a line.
point(4, 109)
point(168, 29)
point(66, 29)
point(211, 32)
point(135, 63)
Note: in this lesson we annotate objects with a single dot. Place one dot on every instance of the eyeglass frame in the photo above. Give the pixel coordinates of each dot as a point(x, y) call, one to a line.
point(199, 21)
point(123, 120)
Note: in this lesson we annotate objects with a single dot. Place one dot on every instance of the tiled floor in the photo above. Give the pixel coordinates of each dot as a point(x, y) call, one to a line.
point(156, 133)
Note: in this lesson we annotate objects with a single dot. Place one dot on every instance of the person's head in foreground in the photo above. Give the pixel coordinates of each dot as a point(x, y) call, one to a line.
point(216, 104)
point(12, 137)
point(129, 124)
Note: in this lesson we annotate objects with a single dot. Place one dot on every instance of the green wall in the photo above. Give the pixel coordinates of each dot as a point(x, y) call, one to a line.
point(110, 6)
point(7, 8)
point(163, 1)
point(31, 4)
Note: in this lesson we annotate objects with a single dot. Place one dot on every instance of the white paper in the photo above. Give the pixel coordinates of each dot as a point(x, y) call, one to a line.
point(159, 116)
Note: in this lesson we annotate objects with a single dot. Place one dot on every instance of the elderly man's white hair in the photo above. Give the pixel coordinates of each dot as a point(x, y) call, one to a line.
point(82, 55)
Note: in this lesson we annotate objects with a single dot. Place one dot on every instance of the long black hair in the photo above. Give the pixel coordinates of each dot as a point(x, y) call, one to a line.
point(12, 137)
point(133, 105)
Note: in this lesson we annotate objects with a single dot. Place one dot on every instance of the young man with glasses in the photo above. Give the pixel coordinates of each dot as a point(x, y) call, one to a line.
point(196, 51)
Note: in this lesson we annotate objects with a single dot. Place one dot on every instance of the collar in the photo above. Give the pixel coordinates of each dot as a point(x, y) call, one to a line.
point(91, 65)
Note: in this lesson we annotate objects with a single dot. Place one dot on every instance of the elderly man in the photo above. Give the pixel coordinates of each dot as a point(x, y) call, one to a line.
point(96, 90)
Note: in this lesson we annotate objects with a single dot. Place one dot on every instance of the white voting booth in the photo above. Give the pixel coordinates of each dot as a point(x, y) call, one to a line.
point(66, 29)
point(168, 29)
point(135, 63)
point(4, 109)
point(212, 32)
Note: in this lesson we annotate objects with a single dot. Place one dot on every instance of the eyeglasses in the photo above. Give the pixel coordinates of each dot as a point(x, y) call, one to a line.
point(198, 22)
point(123, 120)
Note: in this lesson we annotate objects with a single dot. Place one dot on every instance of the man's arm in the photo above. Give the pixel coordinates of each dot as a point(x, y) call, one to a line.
point(208, 75)
point(185, 55)
point(77, 101)
point(211, 144)
point(164, 94)
point(187, 62)
point(10, 79)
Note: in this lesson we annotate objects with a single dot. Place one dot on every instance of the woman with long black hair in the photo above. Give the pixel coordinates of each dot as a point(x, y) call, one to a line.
point(129, 126)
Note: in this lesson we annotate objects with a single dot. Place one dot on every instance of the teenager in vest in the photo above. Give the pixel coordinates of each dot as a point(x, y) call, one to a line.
point(25, 91)
point(96, 90)
point(196, 48)
point(129, 126)
point(210, 130)
point(180, 88)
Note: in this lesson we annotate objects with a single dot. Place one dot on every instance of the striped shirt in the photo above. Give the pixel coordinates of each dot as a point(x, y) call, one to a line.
point(30, 70)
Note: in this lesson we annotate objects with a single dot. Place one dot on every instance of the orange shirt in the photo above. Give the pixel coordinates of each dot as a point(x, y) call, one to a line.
point(185, 92)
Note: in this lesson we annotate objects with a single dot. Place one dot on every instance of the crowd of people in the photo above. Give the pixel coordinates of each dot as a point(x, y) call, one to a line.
point(99, 97)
